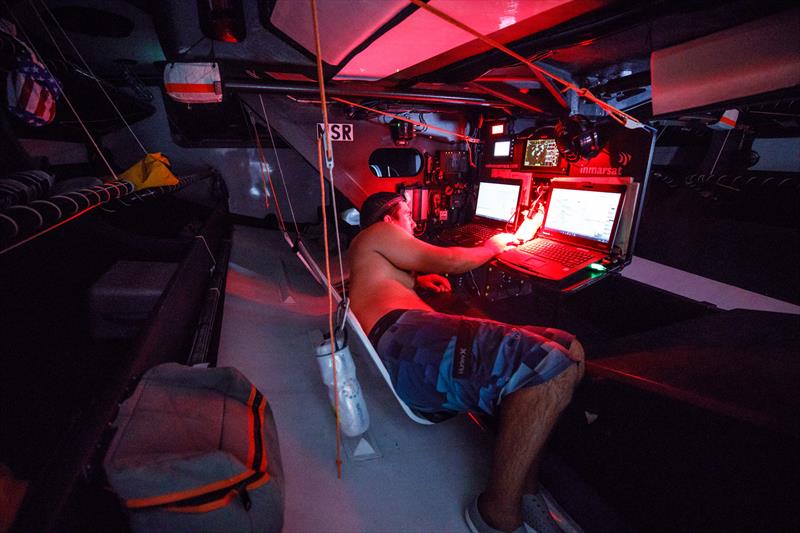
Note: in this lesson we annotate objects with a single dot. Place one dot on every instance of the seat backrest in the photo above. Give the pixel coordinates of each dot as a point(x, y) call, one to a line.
point(356, 328)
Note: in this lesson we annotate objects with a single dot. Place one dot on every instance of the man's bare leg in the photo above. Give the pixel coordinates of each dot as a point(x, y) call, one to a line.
point(576, 353)
point(526, 419)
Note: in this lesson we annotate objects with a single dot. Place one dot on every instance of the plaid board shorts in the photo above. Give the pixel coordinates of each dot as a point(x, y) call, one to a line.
point(441, 362)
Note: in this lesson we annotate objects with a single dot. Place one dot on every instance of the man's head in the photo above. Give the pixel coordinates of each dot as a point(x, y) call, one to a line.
point(387, 207)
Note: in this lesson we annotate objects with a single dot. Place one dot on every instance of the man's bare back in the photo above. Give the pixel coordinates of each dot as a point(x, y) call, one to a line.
point(385, 256)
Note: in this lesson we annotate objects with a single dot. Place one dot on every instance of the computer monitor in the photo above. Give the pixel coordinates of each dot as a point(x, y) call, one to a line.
point(501, 151)
point(541, 154)
point(498, 200)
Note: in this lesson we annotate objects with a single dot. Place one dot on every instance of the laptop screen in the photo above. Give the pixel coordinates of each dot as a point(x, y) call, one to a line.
point(588, 214)
point(497, 201)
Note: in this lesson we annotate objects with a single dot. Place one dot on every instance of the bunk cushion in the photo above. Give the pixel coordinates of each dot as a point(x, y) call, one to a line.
point(196, 449)
point(24, 187)
point(121, 301)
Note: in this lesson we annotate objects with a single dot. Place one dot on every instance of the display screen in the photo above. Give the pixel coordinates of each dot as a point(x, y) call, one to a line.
point(502, 149)
point(498, 129)
point(583, 213)
point(541, 153)
point(497, 201)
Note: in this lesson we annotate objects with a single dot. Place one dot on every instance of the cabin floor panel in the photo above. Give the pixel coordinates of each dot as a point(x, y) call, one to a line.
point(425, 474)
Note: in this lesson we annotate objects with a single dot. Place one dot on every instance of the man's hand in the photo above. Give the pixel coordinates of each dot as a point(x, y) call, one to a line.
point(433, 283)
point(501, 242)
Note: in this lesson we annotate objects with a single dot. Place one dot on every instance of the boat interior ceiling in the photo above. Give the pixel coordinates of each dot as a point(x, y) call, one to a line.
point(169, 193)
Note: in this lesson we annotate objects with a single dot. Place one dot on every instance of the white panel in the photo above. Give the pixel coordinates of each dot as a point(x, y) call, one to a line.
point(424, 35)
point(343, 24)
point(751, 59)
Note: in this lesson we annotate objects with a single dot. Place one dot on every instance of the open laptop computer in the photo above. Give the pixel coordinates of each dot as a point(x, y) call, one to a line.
point(578, 230)
point(495, 212)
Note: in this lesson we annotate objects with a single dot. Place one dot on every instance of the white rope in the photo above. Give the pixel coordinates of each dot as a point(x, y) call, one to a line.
point(721, 148)
point(336, 228)
point(63, 92)
point(96, 79)
point(280, 169)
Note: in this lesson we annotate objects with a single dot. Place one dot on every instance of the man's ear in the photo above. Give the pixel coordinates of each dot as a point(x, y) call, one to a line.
point(387, 218)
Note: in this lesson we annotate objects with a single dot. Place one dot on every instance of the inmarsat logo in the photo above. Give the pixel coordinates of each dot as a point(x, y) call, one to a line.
point(624, 158)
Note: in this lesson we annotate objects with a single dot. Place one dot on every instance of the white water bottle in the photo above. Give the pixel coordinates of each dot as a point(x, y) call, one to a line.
point(353, 415)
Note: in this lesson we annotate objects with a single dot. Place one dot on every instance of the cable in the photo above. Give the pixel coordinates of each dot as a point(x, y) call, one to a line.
point(328, 157)
point(96, 79)
point(63, 92)
point(614, 113)
point(280, 170)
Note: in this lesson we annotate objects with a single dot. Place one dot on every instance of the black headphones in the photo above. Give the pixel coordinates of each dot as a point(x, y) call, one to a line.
point(577, 137)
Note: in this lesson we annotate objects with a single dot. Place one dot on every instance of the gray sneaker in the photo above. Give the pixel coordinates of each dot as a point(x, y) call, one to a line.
point(536, 515)
point(542, 514)
point(475, 521)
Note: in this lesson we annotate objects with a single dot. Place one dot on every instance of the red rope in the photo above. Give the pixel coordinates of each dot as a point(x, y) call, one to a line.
point(329, 157)
point(613, 112)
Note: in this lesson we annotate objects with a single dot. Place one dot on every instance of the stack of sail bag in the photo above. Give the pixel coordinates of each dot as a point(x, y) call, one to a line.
point(196, 449)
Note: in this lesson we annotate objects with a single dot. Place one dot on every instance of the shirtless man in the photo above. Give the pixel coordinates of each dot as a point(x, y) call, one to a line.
point(444, 363)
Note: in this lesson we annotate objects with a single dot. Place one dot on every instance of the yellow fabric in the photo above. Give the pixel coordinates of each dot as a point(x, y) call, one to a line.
point(152, 171)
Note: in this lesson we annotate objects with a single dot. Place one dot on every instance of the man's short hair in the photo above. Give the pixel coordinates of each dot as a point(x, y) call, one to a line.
point(379, 205)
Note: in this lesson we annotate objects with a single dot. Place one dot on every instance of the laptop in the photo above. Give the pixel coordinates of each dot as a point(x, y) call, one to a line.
point(578, 229)
point(495, 212)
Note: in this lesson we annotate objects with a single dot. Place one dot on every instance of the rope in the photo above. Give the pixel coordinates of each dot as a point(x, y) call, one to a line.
point(264, 167)
point(280, 170)
point(721, 148)
point(63, 92)
point(613, 112)
point(338, 242)
point(96, 79)
point(329, 158)
point(406, 119)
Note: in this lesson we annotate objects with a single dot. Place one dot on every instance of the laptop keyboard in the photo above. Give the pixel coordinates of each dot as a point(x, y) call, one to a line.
point(469, 234)
point(565, 255)
point(480, 233)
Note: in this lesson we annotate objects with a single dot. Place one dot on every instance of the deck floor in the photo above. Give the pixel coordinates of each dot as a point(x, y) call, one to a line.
point(424, 476)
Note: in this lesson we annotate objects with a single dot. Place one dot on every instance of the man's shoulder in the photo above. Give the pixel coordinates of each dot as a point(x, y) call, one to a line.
point(376, 233)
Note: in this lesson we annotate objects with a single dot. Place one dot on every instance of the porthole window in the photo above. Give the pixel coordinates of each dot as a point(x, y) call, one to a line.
point(395, 162)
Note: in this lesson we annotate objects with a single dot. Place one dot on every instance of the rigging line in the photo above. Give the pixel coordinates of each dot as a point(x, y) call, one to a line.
point(330, 309)
point(721, 148)
point(265, 168)
point(260, 167)
point(338, 241)
point(328, 145)
point(329, 159)
point(466, 138)
point(280, 169)
point(321, 81)
point(63, 92)
point(91, 72)
point(611, 110)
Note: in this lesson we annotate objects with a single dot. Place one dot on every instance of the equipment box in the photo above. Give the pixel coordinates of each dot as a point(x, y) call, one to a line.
point(121, 301)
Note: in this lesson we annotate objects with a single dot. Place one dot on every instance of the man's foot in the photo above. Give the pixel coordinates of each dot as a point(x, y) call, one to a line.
point(477, 524)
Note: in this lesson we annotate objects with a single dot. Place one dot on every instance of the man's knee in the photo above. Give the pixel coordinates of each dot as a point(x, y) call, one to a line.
point(577, 354)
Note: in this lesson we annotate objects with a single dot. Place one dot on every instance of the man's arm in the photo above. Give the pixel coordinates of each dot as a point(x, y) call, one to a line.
point(409, 253)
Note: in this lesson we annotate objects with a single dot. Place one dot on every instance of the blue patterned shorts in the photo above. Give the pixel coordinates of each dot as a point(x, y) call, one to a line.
point(441, 362)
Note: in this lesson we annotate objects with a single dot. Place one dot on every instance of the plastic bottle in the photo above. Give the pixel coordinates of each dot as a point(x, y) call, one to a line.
point(353, 414)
